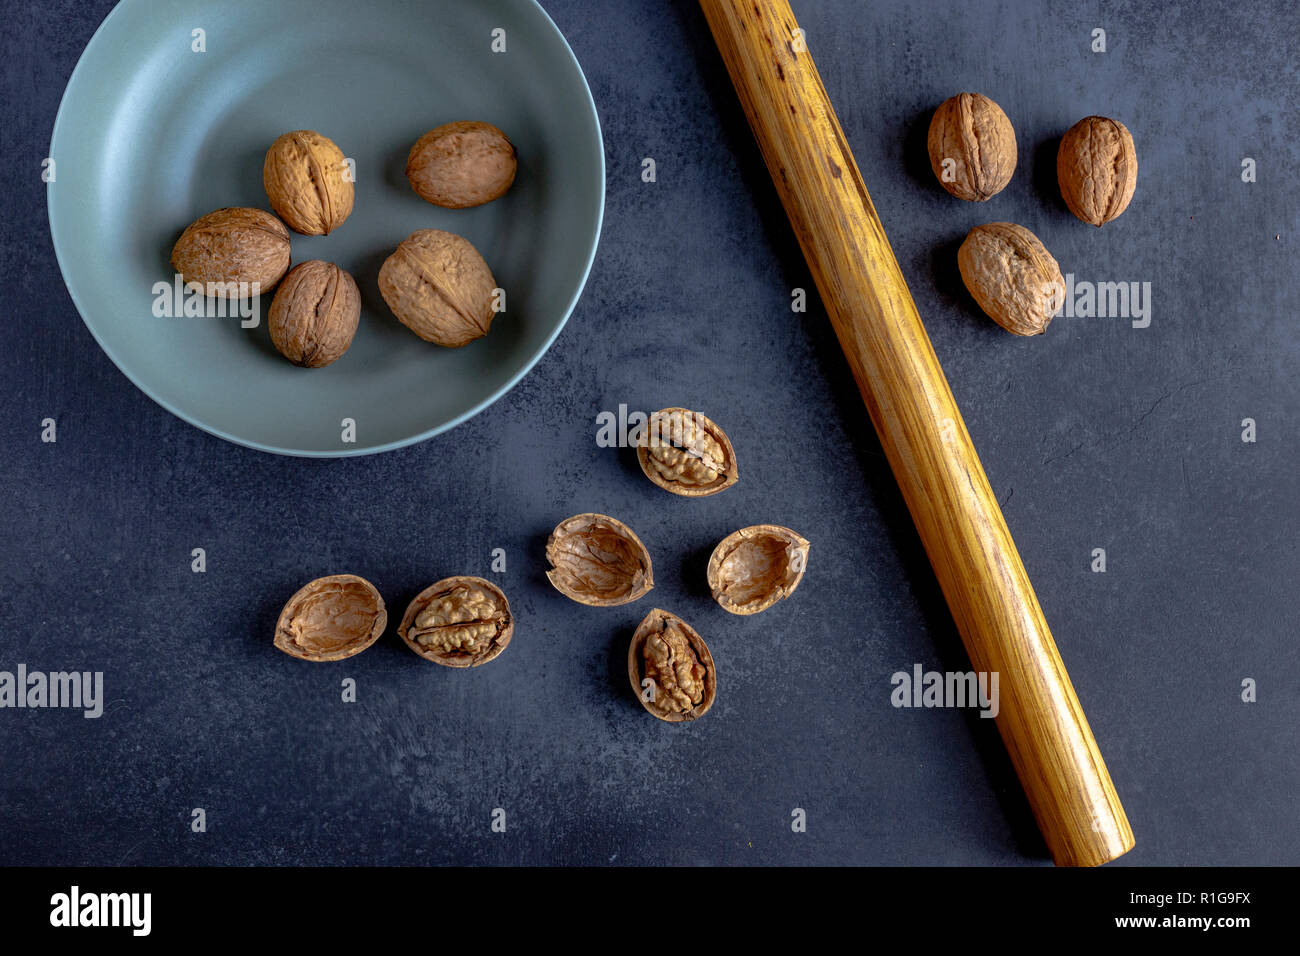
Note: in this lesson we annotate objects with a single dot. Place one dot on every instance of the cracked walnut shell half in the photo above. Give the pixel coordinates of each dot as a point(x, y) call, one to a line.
point(304, 179)
point(755, 567)
point(458, 622)
point(439, 287)
point(671, 669)
point(331, 618)
point(598, 561)
point(686, 453)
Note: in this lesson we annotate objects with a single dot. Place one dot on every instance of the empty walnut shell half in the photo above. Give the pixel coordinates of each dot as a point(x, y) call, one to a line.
point(458, 622)
point(686, 453)
point(331, 618)
point(440, 288)
point(234, 253)
point(304, 177)
point(461, 164)
point(315, 314)
point(598, 560)
point(671, 669)
point(755, 567)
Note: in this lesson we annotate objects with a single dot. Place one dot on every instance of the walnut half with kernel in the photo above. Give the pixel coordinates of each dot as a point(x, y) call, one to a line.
point(687, 453)
point(671, 669)
point(458, 622)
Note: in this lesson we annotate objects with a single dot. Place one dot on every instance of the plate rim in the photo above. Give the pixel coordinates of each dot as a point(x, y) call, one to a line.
point(363, 451)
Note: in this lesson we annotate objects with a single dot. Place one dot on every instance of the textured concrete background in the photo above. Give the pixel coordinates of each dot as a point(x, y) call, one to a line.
point(1095, 435)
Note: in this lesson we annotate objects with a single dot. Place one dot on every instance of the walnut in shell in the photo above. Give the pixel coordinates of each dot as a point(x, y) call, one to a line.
point(671, 669)
point(233, 253)
point(755, 567)
point(598, 560)
point(1012, 276)
point(304, 176)
point(315, 314)
point(686, 453)
point(461, 164)
point(1097, 168)
point(440, 288)
point(972, 147)
point(458, 622)
point(331, 618)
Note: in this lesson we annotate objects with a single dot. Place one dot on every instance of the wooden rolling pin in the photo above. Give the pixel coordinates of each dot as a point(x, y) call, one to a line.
point(920, 428)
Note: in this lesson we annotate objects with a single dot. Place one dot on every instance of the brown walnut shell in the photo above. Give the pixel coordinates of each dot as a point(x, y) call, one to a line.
point(1012, 276)
point(230, 247)
point(1097, 169)
point(458, 622)
point(598, 560)
point(671, 669)
point(315, 314)
point(331, 618)
point(753, 568)
point(304, 179)
point(440, 288)
point(687, 453)
point(973, 132)
point(461, 164)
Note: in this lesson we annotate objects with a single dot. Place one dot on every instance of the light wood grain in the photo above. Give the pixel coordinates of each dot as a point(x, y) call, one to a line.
point(921, 429)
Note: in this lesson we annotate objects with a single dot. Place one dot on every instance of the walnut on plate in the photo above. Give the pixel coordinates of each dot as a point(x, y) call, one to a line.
point(234, 253)
point(462, 164)
point(304, 177)
point(315, 314)
point(440, 288)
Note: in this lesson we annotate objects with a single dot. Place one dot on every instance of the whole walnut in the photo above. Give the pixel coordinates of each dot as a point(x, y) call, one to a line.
point(1097, 169)
point(304, 176)
point(461, 164)
point(233, 253)
point(315, 314)
point(438, 285)
point(972, 147)
point(1012, 276)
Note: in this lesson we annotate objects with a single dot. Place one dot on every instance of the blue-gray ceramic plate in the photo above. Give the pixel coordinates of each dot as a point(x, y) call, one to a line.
point(168, 116)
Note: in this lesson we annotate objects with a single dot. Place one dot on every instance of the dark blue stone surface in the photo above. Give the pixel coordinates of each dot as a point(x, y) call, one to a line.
point(1097, 435)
